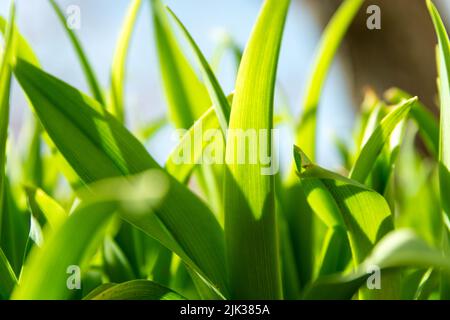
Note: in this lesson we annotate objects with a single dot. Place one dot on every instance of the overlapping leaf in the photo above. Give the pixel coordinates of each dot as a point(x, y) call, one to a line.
point(119, 61)
point(250, 224)
point(98, 147)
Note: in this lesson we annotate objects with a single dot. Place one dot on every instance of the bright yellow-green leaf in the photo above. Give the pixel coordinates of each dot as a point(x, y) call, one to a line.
point(87, 68)
point(380, 136)
point(365, 213)
point(426, 121)
point(118, 70)
point(329, 44)
point(193, 144)
point(444, 95)
point(216, 93)
point(52, 211)
point(97, 146)
point(186, 96)
point(250, 223)
point(64, 254)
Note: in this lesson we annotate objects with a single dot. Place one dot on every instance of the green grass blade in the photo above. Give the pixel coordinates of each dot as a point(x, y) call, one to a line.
point(443, 58)
point(136, 290)
point(5, 88)
point(97, 146)
point(22, 47)
point(194, 145)
point(186, 96)
point(33, 167)
point(47, 267)
point(426, 121)
point(335, 249)
point(7, 277)
point(216, 93)
point(85, 64)
point(250, 223)
point(346, 203)
point(401, 248)
point(444, 94)
point(118, 69)
point(329, 44)
point(14, 228)
point(380, 136)
point(13, 225)
point(41, 204)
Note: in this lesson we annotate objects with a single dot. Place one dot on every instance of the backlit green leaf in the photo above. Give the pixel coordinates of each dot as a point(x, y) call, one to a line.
point(250, 223)
point(329, 44)
point(118, 69)
point(97, 146)
point(85, 64)
point(380, 136)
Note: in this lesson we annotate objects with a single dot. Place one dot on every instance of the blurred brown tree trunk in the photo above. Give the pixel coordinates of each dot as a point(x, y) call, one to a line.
point(401, 54)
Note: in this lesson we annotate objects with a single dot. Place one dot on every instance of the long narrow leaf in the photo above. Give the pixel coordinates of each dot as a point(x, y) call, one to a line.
point(87, 68)
point(369, 153)
point(97, 147)
point(193, 143)
point(329, 44)
point(216, 93)
point(346, 203)
point(50, 267)
point(426, 121)
point(444, 94)
point(187, 97)
point(119, 61)
point(250, 224)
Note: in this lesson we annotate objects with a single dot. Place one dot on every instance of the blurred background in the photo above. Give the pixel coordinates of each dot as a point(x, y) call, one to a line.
point(400, 54)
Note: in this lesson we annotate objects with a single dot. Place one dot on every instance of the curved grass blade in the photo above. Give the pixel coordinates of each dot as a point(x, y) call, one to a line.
point(33, 167)
point(250, 222)
point(87, 68)
point(369, 153)
point(135, 290)
point(5, 88)
point(335, 251)
point(42, 204)
point(14, 226)
point(49, 267)
point(216, 93)
point(187, 97)
point(329, 44)
point(97, 147)
point(193, 145)
point(346, 203)
point(444, 94)
point(398, 249)
point(443, 58)
point(22, 47)
point(119, 62)
point(300, 216)
point(426, 121)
